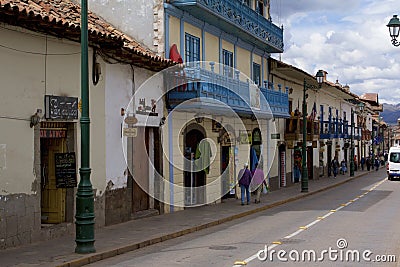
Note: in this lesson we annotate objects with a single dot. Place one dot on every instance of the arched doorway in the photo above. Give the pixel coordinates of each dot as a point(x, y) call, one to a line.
point(194, 181)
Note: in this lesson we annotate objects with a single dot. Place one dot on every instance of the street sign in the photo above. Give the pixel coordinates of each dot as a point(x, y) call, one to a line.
point(276, 136)
point(130, 132)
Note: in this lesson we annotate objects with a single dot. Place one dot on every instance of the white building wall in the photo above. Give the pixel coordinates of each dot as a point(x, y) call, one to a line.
point(143, 20)
point(30, 75)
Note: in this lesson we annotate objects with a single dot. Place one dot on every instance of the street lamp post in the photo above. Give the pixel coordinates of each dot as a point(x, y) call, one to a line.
point(304, 173)
point(373, 140)
point(361, 107)
point(84, 197)
point(394, 29)
point(352, 144)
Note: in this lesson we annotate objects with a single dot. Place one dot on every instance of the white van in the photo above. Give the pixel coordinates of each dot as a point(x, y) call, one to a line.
point(393, 165)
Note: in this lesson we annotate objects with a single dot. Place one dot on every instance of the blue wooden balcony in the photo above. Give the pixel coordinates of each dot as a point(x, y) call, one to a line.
point(336, 128)
point(238, 19)
point(196, 87)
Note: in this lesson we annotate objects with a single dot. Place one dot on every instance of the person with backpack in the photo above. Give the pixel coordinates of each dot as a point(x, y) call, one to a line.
point(244, 178)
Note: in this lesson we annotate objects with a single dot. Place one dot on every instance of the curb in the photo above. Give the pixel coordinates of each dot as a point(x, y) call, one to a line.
point(94, 257)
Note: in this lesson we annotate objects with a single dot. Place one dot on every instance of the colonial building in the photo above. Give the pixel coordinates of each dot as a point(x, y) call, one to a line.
point(221, 94)
point(335, 116)
point(39, 114)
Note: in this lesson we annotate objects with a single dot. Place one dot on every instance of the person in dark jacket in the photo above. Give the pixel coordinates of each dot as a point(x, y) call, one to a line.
point(377, 163)
point(369, 163)
point(335, 166)
point(244, 178)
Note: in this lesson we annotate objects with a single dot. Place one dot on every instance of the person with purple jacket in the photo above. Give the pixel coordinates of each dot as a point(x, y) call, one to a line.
point(244, 178)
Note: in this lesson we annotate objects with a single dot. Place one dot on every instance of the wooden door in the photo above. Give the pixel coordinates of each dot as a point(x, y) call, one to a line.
point(141, 156)
point(52, 198)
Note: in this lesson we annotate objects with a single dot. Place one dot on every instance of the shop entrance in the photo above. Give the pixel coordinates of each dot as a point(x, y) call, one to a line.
point(52, 198)
point(194, 181)
point(58, 178)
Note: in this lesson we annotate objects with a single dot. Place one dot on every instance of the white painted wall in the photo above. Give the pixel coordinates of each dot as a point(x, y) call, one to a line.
point(143, 20)
point(27, 75)
point(118, 93)
point(33, 70)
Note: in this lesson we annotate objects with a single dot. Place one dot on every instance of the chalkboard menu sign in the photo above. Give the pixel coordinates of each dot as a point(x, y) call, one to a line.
point(61, 107)
point(65, 169)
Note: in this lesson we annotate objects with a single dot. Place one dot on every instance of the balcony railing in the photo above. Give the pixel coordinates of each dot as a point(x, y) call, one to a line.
point(336, 128)
point(243, 97)
point(236, 18)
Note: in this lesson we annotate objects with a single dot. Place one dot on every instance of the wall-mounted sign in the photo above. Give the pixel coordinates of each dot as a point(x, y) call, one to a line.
point(130, 132)
point(65, 169)
point(61, 107)
point(245, 137)
point(49, 133)
point(276, 136)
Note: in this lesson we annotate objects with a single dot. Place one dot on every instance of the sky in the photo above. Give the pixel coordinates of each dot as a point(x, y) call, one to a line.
point(347, 38)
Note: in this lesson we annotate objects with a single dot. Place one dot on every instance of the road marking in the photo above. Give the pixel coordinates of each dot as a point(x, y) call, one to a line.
point(302, 228)
point(294, 234)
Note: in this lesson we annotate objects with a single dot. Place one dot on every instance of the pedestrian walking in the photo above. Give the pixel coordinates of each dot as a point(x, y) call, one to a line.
point(362, 163)
point(377, 163)
point(335, 166)
point(368, 163)
point(257, 182)
point(244, 178)
point(343, 167)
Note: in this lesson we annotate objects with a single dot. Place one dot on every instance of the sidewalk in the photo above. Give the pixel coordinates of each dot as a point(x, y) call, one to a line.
point(128, 236)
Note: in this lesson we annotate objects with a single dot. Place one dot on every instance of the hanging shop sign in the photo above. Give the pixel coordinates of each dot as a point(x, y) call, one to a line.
point(61, 107)
point(130, 132)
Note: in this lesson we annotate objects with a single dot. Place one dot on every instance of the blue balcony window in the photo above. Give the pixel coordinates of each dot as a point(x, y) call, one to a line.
point(227, 60)
point(257, 74)
point(192, 48)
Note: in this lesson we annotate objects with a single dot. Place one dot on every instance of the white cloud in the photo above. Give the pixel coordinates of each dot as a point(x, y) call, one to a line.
point(350, 43)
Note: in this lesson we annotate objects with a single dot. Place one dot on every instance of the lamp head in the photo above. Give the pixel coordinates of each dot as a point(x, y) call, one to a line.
point(361, 106)
point(394, 26)
point(394, 29)
point(320, 77)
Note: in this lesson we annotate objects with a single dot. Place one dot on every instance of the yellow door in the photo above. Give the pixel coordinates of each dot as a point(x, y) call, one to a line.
point(53, 198)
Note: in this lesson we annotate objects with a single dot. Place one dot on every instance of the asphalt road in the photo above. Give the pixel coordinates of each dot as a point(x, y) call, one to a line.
point(355, 224)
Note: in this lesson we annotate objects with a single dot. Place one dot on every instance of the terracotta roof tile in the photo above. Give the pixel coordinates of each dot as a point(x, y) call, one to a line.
point(370, 97)
point(66, 13)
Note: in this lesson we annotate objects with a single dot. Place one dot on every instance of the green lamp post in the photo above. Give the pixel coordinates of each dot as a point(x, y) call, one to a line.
point(394, 29)
point(352, 167)
point(84, 197)
point(352, 144)
point(304, 173)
